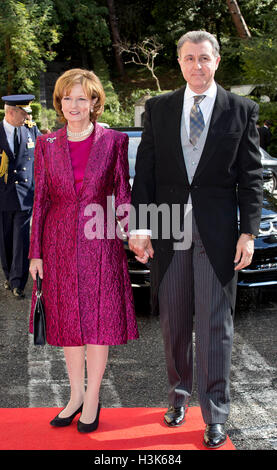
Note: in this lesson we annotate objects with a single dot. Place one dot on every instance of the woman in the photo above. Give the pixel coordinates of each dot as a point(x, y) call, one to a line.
point(86, 287)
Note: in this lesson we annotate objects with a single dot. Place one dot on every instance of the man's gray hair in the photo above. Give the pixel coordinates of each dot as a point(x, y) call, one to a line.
point(199, 36)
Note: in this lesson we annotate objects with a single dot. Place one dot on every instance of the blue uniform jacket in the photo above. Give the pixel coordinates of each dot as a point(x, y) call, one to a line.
point(18, 193)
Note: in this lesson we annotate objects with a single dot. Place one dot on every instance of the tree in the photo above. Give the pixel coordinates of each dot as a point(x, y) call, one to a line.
point(238, 19)
point(27, 35)
point(144, 53)
point(259, 57)
point(84, 29)
point(116, 38)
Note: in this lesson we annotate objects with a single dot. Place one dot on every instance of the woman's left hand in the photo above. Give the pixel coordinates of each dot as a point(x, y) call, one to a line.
point(36, 265)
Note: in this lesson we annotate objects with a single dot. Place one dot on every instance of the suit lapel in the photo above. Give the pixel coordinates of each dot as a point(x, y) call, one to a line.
point(174, 122)
point(221, 108)
point(61, 149)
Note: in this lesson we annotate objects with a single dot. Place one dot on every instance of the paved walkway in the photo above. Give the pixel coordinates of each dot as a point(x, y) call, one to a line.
point(135, 377)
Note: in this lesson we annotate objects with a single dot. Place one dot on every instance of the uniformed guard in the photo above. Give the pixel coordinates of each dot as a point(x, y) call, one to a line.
point(17, 145)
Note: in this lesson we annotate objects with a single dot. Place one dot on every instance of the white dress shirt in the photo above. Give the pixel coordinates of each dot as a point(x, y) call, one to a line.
point(206, 105)
point(9, 130)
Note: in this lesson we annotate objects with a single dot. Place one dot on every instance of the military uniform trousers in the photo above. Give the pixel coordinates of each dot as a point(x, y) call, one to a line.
point(14, 246)
point(190, 293)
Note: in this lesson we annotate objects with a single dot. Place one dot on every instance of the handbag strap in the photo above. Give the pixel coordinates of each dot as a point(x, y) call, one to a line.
point(39, 285)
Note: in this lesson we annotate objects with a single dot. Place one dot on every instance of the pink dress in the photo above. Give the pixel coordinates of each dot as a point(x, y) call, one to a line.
point(86, 287)
point(79, 152)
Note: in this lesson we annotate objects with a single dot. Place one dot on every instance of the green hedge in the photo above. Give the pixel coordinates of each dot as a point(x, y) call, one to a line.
point(44, 118)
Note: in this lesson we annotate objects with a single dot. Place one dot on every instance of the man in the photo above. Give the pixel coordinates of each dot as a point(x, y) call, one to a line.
point(199, 154)
point(17, 144)
point(265, 134)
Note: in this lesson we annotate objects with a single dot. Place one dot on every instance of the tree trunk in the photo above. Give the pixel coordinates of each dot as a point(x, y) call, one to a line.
point(115, 38)
point(238, 19)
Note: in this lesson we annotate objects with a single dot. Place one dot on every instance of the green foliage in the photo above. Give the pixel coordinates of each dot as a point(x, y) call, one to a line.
point(255, 60)
point(36, 109)
point(126, 113)
point(43, 117)
point(230, 68)
point(48, 119)
point(77, 33)
point(26, 38)
point(260, 63)
point(83, 24)
point(111, 114)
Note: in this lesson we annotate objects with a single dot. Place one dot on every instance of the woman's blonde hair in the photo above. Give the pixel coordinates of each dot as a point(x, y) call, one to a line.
point(91, 85)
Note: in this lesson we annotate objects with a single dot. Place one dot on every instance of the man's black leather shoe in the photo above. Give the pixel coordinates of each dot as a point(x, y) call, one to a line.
point(175, 416)
point(214, 436)
point(18, 293)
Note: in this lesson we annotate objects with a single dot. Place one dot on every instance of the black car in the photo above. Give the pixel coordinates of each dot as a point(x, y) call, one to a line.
point(261, 273)
point(269, 163)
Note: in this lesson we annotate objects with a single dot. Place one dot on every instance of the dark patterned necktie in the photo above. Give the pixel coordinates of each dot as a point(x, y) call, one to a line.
point(197, 123)
point(15, 142)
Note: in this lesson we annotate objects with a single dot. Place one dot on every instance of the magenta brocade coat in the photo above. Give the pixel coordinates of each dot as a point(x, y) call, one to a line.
point(86, 287)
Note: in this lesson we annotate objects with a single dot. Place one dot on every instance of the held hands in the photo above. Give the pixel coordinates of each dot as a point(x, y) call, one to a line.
point(245, 250)
point(36, 265)
point(141, 245)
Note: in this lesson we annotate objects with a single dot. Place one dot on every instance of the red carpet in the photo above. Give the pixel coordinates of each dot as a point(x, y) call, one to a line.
point(119, 429)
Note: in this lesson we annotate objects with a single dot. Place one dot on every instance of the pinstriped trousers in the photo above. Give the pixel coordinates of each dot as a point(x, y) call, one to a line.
point(189, 291)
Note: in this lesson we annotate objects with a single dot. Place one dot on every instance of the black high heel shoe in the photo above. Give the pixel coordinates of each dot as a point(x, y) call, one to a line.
point(60, 422)
point(82, 427)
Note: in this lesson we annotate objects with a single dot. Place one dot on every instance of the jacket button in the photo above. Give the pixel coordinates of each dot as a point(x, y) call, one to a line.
point(26, 179)
point(15, 171)
point(16, 182)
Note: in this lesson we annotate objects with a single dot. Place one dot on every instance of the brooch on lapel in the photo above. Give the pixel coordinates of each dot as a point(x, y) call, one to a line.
point(51, 139)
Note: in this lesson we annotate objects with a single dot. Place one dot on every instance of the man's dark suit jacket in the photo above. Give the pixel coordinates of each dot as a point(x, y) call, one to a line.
point(228, 177)
point(18, 193)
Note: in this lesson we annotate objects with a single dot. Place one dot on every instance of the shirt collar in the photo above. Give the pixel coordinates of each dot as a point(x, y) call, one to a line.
point(210, 92)
point(8, 127)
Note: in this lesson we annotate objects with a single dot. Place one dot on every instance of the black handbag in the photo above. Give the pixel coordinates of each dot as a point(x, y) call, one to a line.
point(39, 317)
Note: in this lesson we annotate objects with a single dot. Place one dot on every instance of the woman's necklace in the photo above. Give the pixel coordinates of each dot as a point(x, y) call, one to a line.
point(80, 135)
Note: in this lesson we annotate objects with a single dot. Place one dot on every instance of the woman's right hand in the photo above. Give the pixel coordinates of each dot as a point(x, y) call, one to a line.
point(36, 265)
